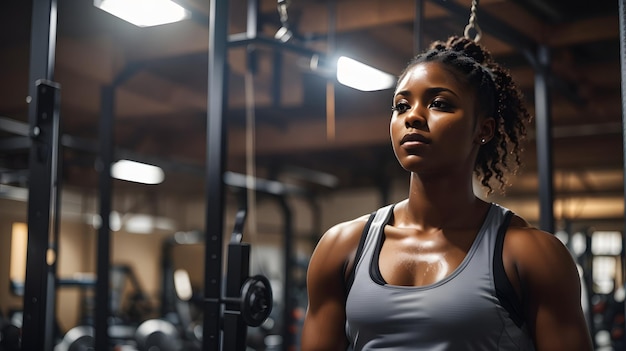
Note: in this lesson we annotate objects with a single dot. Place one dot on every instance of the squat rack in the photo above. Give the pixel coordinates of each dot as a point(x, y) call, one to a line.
point(44, 188)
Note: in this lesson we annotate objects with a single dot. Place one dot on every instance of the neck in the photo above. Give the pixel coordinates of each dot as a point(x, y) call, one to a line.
point(438, 202)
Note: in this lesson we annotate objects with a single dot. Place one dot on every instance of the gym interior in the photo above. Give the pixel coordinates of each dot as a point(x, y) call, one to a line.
point(259, 147)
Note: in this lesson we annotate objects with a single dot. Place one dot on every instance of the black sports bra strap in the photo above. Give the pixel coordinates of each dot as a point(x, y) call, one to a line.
point(504, 289)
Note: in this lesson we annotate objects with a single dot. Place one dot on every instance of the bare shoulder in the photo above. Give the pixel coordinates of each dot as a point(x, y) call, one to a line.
point(346, 230)
point(536, 253)
point(325, 275)
point(340, 240)
point(524, 237)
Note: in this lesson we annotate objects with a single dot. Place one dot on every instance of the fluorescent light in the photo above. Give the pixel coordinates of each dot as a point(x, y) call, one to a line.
point(137, 172)
point(13, 193)
point(360, 76)
point(139, 224)
point(144, 13)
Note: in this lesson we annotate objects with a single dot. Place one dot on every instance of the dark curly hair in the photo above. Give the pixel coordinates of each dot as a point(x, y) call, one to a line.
point(497, 95)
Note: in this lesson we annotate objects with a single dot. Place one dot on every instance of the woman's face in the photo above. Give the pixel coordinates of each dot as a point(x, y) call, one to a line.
point(433, 125)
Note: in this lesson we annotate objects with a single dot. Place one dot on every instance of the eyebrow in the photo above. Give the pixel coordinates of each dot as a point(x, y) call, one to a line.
point(429, 91)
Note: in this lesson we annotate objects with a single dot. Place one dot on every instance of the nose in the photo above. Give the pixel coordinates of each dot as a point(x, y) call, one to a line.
point(414, 118)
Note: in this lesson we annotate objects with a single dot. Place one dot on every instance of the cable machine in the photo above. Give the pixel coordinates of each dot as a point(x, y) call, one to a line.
point(241, 305)
point(214, 335)
point(226, 317)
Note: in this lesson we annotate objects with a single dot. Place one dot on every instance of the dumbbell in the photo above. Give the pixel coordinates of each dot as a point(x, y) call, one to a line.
point(157, 335)
point(79, 338)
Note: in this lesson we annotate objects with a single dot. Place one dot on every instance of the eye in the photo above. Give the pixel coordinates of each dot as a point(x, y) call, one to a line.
point(441, 104)
point(401, 107)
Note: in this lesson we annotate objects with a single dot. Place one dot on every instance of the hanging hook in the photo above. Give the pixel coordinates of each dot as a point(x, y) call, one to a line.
point(284, 33)
point(282, 11)
point(473, 23)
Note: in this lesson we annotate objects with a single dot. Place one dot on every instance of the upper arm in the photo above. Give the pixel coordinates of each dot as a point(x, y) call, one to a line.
point(551, 291)
point(324, 324)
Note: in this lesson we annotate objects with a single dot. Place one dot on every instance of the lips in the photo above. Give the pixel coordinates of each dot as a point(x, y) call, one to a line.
point(414, 138)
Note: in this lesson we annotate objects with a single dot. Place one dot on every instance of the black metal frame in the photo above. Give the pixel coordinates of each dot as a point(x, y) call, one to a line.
point(43, 116)
point(622, 51)
point(215, 161)
point(238, 270)
point(39, 287)
point(105, 189)
point(543, 125)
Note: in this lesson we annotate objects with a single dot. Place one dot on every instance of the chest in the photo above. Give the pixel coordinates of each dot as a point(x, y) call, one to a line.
point(407, 258)
point(445, 287)
point(463, 303)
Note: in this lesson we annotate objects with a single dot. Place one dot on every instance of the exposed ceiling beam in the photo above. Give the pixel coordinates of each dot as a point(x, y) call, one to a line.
point(584, 31)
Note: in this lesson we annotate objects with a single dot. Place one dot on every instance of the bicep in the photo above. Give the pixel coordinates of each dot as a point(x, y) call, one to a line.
point(324, 324)
point(323, 329)
point(552, 294)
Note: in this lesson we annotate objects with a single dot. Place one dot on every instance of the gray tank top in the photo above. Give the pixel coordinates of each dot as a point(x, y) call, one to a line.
point(461, 312)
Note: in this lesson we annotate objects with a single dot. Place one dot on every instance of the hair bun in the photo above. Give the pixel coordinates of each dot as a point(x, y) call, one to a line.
point(469, 48)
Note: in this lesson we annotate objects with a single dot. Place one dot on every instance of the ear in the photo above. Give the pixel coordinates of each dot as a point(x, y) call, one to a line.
point(485, 130)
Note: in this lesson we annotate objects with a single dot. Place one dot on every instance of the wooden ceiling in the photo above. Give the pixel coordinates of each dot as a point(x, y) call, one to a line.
point(160, 109)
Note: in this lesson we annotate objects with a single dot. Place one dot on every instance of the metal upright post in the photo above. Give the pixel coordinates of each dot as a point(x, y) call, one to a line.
point(43, 118)
point(238, 269)
point(544, 140)
point(106, 154)
point(215, 161)
point(105, 187)
point(418, 24)
point(235, 330)
point(39, 286)
point(622, 51)
point(288, 320)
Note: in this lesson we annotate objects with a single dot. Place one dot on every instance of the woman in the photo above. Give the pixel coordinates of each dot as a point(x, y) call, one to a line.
point(443, 269)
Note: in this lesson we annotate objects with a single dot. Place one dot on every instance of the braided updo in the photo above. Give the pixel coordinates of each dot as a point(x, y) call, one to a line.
point(497, 96)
